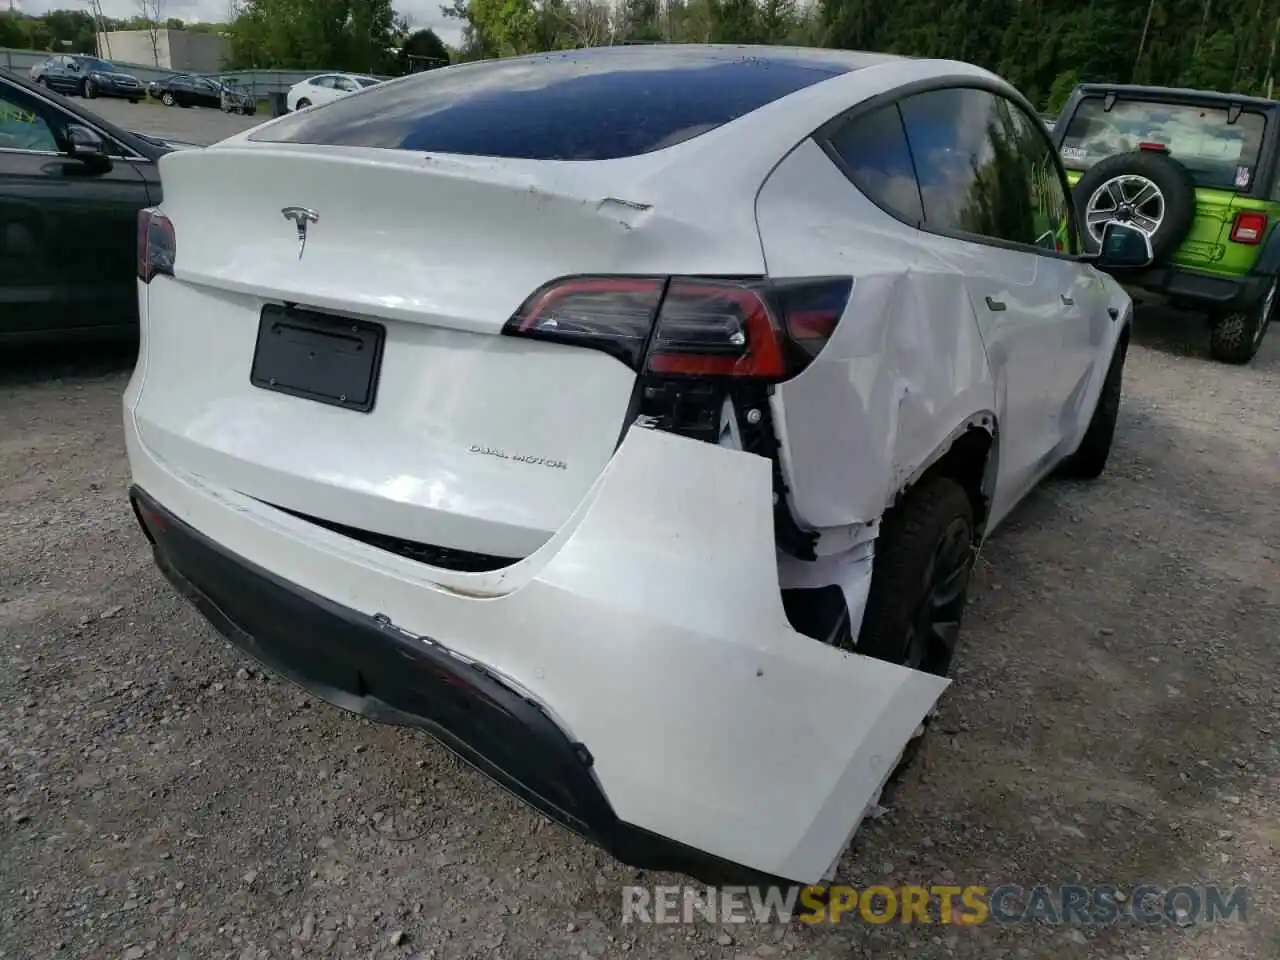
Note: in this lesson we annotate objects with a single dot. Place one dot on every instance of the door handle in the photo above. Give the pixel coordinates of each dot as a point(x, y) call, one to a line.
point(996, 305)
point(1067, 301)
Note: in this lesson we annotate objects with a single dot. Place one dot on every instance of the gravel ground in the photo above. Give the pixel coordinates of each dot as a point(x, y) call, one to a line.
point(1112, 721)
point(192, 124)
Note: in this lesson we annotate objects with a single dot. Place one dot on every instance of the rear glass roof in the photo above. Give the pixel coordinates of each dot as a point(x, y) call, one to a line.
point(595, 104)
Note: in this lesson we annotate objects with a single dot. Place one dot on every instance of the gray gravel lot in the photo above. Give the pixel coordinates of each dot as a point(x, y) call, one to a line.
point(1113, 721)
point(193, 124)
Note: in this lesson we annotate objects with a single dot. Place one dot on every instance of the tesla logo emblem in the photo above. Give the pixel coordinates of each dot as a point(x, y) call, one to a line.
point(300, 216)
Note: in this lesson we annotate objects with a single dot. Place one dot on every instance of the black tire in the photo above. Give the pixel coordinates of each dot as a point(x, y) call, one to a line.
point(1090, 458)
point(135, 100)
point(1174, 181)
point(167, 99)
point(302, 104)
point(1235, 337)
point(920, 580)
point(88, 89)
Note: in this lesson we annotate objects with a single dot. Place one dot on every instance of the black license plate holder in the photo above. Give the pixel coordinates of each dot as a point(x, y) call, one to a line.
point(318, 356)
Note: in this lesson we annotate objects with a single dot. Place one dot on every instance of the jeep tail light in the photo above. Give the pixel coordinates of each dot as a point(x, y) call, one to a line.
point(1249, 227)
point(1150, 146)
point(761, 330)
point(157, 245)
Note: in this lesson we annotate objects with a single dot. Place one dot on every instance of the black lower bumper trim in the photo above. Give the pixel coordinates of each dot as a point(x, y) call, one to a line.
point(1195, 289)
point(368, 666)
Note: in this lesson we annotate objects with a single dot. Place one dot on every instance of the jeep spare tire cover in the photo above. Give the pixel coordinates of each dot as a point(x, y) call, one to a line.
point(1126, 185)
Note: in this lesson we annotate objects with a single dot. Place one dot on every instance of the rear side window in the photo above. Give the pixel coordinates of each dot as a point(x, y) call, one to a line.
point(1218, 153)
point(873, 149)
point(580, 105)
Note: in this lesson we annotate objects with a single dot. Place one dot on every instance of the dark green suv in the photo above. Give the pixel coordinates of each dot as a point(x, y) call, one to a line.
point(1197, 172)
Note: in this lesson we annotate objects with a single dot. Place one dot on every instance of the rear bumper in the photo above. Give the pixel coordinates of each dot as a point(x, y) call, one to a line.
point(635, 678)
point(1193, 288)
point(369, 666)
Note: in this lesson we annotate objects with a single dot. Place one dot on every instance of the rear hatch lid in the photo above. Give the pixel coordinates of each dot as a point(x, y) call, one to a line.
point(474, 441)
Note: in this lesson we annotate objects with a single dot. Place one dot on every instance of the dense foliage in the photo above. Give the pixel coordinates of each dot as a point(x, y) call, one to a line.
point(356, 35)
point(1043, 46)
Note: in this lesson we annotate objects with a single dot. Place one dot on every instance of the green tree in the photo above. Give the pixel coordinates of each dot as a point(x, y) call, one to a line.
point(356, 35)
point(11, 32)
point(1212, 64)
point(422, 50)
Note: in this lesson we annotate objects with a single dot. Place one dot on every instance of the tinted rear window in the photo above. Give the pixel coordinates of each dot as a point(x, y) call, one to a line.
point(1218, 153)
point(583, 105)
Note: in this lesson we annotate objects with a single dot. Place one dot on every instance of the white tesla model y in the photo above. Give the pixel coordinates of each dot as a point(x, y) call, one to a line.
point(627, 418)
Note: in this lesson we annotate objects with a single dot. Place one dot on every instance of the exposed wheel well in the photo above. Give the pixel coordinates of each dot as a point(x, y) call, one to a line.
point(970, 462)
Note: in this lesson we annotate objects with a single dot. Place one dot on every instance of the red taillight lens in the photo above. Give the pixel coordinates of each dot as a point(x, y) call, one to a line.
point(716, 329)
point(613, 314)
point(157, 245)
point(1249, 227)
point(1152, 147)
point(754, 329)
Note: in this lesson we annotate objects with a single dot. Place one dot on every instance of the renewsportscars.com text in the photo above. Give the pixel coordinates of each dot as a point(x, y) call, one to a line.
point(1089, 905)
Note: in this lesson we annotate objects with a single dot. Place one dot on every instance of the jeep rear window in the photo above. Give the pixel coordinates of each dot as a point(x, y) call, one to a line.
point(1218, 153)
point(577, 105)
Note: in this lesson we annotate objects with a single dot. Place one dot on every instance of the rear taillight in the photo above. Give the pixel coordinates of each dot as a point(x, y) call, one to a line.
point(1152, 147)
point(759, 330)
point(157, 245)
point(613, 314)
point(1249, 227)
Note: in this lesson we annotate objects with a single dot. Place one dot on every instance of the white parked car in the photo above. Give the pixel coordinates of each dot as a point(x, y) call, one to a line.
point(326, 87)
point(650, 483)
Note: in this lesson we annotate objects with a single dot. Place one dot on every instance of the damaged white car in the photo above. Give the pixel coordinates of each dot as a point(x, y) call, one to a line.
point(628, 418)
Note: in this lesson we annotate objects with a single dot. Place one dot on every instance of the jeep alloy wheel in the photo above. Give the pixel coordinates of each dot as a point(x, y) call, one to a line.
point(1129, 199)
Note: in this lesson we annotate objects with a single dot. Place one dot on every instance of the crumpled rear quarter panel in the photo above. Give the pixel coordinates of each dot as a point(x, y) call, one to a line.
point(906, 366)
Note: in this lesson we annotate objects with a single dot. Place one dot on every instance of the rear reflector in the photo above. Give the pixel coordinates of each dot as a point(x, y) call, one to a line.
point(1152, 147)
point(157, 245)
point(690, 326)
point(1249, 227)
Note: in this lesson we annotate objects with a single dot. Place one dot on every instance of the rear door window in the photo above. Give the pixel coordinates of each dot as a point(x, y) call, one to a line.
point(1218, 153)
point(970, 164)
point(573, 105)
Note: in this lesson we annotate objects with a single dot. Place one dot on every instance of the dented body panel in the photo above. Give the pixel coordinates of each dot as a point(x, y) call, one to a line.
point(627, 581)
point(918, 360)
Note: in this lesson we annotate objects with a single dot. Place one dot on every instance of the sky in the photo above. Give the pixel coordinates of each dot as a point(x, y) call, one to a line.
point(419, 13)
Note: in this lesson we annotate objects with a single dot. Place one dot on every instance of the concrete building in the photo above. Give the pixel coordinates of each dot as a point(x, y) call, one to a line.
point(177, 50)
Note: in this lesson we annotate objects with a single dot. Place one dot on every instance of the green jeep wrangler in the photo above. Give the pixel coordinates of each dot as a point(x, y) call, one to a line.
point(1198, 173)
